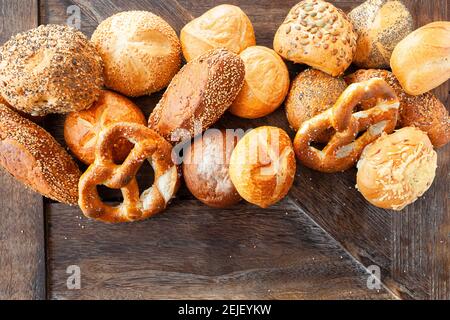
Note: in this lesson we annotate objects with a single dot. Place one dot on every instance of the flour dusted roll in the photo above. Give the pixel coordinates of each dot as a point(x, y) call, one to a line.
point(205, 168)
point(262, 166)
point(141, 52)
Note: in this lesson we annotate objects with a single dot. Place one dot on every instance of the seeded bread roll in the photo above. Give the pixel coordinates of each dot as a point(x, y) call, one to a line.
point(318, 34)
point(81, 129)
point(198, 95)
point(225, 26)
point(424, 111)
point(380, 25)
point(205, 168)
point(141, 52)
point(312, 92)
point(397, 169)
point(50, 69)
point(266, 83)
point(33, 157)
point(421, 61)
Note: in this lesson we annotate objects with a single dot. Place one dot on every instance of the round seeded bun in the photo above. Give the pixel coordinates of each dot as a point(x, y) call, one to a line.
point(205, 168)
point(318, 34)
point(312, 92)
point(140, 50)
point(424, 111)
point(397, 169)
point(50, 69)
point(380, 25)
point(266, 83)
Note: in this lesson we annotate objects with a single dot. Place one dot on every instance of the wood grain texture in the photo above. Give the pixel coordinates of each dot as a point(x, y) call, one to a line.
point(22, 252)
point(194, 252)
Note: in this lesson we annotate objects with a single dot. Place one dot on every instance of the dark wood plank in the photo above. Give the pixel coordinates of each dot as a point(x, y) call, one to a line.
point(22, 252)
point(191, 251)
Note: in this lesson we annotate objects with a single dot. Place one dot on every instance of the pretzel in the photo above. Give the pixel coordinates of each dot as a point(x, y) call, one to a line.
point(148, 146)
point(344, 148)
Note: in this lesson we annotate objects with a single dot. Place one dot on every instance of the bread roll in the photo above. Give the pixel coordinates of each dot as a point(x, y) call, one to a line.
point(421, 61)
point(81, 129)
point(312, 92)
point(141, 52)
point(50, 69)
point(262, 166)
point(225, 26)
point(266, 83)
point(33, 157)
point(424, 111)
point(198, 95)
point(205, 168)
point(318, 34)
point(397, 169)
point(380, 25)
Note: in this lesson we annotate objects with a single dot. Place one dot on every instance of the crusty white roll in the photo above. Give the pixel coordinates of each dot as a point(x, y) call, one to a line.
point(225, 26)
point(50, 69)
point(141, 52)
point(318, 34)
point(266, 83)
point(421, 61)
point(380, 25)
point(262, 166)
point(397, 169)
point(205, 168)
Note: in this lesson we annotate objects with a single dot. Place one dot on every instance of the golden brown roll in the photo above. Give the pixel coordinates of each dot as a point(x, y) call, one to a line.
point(266, 83)
point(380, 25)
point(421, 61)
point(397, 169)
point(318, 34)
point(225, 26)
point(141, 52)
point(262, 166)
point(424, 111)
point(198, 95)
point(205, 168)
point(81, 129)
point(50, 69)
point(312, 92)
point(32, 156)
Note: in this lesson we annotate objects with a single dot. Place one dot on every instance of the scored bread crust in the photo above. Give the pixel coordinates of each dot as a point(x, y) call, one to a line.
point(198, 95)
point(33, 156)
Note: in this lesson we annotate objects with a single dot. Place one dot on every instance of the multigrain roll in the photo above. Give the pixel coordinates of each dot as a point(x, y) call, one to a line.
point(318, 34)
point(380, 25)
point(81, 129)
point(424, 111)
point(205, 168)
point(266, 83)
point(32, 156)
point(397, 169)
point(198, 95)
point(141, 52)
point(225, 26)
point(312, 92)
point(421, 61)
point(50, 69)
point(262, 166)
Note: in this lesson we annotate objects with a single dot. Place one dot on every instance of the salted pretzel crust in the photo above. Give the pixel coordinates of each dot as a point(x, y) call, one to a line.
point(344, 148)
point(148, 145)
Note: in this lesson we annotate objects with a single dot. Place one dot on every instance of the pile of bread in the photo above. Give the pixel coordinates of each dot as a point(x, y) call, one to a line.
point(340, 119)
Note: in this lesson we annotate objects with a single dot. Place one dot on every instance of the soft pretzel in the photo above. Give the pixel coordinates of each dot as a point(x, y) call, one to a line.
point(344, 148)
point(148, 146)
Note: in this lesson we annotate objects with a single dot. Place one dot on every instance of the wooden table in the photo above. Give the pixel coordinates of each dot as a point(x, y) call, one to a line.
point(317, 243)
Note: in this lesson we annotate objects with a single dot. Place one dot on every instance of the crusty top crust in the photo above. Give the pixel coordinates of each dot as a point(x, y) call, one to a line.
point(318, 34)
point(50, 69)
point(34, 157)
point(198, 95)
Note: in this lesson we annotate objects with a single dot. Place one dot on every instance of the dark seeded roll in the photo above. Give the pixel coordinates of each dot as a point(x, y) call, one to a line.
point(50, 69)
